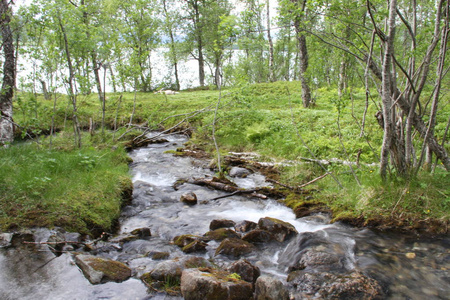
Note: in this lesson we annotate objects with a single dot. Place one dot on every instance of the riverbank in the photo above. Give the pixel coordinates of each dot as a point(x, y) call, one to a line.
point(59, 185)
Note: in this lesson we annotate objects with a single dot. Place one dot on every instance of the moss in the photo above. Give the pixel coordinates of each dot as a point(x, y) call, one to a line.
point(221, 234)
point(112, 270)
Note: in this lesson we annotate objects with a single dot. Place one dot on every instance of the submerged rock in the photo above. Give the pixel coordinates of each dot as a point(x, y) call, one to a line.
point(216, 224)
point(100, 270)
point(351, 286)
point(211, 285)
point(234, 248)
point(268, 288)
point(281, 230)
point(313, 251)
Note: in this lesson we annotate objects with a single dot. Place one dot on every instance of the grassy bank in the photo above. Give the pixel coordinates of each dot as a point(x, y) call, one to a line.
point(77, 189)
point(265, 118)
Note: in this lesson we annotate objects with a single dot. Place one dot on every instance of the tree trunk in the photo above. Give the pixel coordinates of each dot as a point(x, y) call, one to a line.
point(47, 96)
point(172, 47)
point(303, 55)
point(303, 51)
point(9, 76)
point(113, 78)
point(386, 94)
point(269, 39)
point(72, 95)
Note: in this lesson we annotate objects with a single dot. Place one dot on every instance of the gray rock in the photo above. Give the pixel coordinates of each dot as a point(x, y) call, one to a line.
point(209, 285)
point(268, 288)
point(172, 269)
point(350, 286)
point(239, 172)
point(100, 270)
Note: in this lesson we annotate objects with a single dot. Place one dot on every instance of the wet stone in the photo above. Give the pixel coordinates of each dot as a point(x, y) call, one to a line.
point(234, 248)
point(158, 255)
point(279, 229)
point(246, 270)
point(352, 286)
point(142, 233)
point(211, 285)
point(269, 288)
point(189, 198)
point(221, 234)
point(239, 172)
point(216, 224)
point(245, 226)
point(195, 246)
point(258, 236)
point(100, 270)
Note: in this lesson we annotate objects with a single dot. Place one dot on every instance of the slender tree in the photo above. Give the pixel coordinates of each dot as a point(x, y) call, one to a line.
point(9, 76)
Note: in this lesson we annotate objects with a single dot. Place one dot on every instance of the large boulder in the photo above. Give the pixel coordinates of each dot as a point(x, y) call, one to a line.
point(315, 251)
point(246, 270)
point(216, 224)
point(234, 248)
point(100, 270)
point(350, 286)
point(281, 230)
point(208, 284)
point(269, 288)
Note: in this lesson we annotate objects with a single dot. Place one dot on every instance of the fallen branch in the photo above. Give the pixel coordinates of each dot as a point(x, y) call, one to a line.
point(233, 190)
point(314, 180)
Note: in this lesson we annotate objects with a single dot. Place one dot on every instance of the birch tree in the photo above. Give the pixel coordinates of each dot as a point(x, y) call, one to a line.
point(9, 75)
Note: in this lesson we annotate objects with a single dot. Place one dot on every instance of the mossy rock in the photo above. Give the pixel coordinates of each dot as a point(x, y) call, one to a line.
point(195, 246)
point(234, 248)
point(100, 270)
point(221, 234)
point(185, 239)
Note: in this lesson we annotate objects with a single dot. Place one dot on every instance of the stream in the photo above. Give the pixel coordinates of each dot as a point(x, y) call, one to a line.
point(406, 267)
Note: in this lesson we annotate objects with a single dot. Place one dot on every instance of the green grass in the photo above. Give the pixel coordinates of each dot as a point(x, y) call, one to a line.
point(77, 189)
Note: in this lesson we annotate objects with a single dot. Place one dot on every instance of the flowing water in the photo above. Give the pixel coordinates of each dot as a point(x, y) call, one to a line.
point(407, 268)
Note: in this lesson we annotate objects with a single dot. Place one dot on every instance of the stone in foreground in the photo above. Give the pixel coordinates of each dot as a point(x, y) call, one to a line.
point(100, 270)
point(212, 285)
